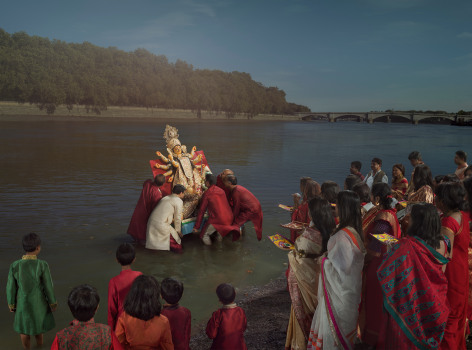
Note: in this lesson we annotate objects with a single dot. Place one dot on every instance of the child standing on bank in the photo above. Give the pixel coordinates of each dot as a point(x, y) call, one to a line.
point(227, 325)
point(179, 317)
point(30, 293)
point(120, 285)
point(84, 332)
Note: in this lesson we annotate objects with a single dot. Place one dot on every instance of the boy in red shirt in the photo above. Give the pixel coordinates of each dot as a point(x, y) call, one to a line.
point(120, 285)
point(179, 317)
point(227, 325)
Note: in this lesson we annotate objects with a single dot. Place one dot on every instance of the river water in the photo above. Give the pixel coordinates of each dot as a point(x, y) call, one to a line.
point(76, 184)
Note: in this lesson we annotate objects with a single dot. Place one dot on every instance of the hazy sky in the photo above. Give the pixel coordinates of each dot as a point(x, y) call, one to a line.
point(331, 55)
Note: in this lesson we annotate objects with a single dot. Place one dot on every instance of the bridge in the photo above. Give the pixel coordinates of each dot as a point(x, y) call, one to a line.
point(388, 117)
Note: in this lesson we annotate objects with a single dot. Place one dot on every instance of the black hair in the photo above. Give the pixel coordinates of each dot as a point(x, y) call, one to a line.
point(451, 195)
point(226, 293)
point(322, 216)
point(400, 167)
point(125, 254)
point(468, 169)
point(349, 209)
point(30, 242)
point(462, 155)
point(377, 160)
point(422, 176)
point(351, 181)
point(160, 179)
point(142, 300)
point(178, 189)
point(356, 164)
point(426, 224)
point(329, 191)
point(438, 179)
point(232, 179)
point(468, 190)
point(83, 301)
point(451, 178)
point(383, 191)
point(363, 191)
point(211, 179)
point(303, 182)
point(415, 155)
point(171, 290)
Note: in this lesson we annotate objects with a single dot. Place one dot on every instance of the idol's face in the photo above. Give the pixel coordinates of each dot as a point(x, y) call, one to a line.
point(177, 149)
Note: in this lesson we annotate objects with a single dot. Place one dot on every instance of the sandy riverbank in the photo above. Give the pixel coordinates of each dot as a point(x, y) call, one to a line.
point(267, 311)
point(12, 111)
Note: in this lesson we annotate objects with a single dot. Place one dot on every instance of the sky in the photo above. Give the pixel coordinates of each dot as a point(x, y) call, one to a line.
point(329, 55)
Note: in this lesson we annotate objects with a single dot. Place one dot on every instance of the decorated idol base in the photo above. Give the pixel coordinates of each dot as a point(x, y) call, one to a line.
point(189, 224)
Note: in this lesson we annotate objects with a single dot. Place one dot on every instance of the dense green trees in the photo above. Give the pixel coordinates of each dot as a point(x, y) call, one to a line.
point(51, 73)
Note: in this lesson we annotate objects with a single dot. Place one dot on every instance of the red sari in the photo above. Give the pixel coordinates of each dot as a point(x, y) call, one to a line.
point(457, 274)
point(414, 291)
point(371, 315)
point(299, 215)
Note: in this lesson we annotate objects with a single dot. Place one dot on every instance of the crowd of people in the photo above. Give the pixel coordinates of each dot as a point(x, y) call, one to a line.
point(379, 265)
point(223, 209)
point(136, 317)
point(376, 266)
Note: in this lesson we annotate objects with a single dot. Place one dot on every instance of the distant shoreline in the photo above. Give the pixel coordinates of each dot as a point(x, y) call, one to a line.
point(13, 111)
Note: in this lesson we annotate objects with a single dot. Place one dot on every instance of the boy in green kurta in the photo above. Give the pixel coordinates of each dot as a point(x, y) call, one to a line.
point(30, 293)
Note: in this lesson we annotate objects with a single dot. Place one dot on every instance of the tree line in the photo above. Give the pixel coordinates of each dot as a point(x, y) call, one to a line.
point(49, 73)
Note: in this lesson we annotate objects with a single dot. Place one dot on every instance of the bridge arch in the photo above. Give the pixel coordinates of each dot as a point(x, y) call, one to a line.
point(321, 117)
point(392, 118)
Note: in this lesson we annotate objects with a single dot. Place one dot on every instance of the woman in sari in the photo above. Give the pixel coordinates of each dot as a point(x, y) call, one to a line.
point(334, 324)
point(450, 199)
point(399, 181)
point(376, 222)
point(468, 191)
point(301, 214)
point(304, 271)
point(414, 287)
point(422, 185)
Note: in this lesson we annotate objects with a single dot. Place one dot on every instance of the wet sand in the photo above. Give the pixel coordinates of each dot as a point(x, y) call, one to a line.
point(267, 311)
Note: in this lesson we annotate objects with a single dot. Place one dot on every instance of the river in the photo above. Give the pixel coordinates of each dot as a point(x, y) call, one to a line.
point(76, 184)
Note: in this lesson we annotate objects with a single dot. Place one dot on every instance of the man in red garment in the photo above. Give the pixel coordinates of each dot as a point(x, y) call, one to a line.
point(220, 216)
point(246, 207)
point(150, 196)
point(220, 182)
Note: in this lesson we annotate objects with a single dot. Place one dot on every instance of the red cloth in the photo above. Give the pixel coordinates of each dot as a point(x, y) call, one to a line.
point(300, 215)
point(219, 183)
point(246, 207)
point(371, 316)
point(226, 327)
point(118, 288)
point(150, 196)
point(153, 334)
point(457, 274)
point(180, 320)
point(220, 214)
point(86, 335)
point(174, 246)
point(415, 296)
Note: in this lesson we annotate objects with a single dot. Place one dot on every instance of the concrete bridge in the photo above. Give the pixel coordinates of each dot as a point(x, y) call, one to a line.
point(387, 117)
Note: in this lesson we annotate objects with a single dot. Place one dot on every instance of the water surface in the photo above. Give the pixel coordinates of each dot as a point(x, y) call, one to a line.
point(76, 183)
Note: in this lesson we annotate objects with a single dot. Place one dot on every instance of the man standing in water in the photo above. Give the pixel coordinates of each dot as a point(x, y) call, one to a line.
point(160, 235)
point(150, 196)
point(220, 215)
point(246, 206)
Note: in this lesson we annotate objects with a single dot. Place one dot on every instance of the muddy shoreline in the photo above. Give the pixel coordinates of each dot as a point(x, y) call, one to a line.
point(267, 311)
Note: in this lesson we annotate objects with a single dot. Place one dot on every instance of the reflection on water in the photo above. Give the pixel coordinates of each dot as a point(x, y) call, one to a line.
point(76, 183)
